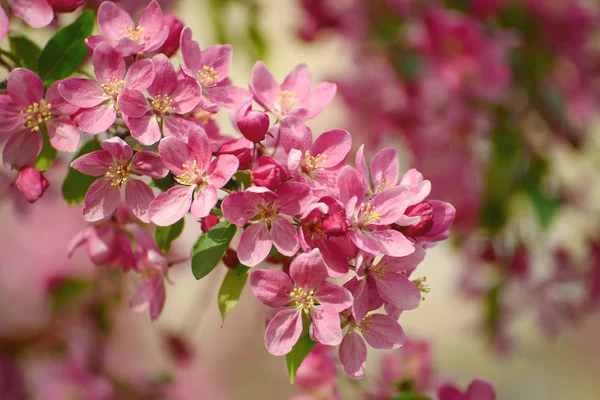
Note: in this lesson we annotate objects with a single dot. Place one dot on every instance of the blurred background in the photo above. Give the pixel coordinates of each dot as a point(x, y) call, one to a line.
point(494, 101)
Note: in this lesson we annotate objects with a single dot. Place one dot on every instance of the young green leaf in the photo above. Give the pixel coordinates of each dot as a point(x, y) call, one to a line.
point(47, 155)
point(231, 289)
point(299, 352)
point(210, 248)
point(165, 235)
point(76, 184)
point(26, 52)
point(163, 184)
point(66, 50)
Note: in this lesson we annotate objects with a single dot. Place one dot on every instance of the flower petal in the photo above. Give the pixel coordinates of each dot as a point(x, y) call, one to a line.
point(353, 354)
point(298, 80)
point(81, 92)
point(37, 13)
point(382, 332)
point(222, 169)
point(109, 65)
point(325, 327)
point(165, 80)
point(351, 185)
point(319, 98)
point(392, 243)
point(118, 148)
point(97, 119)
point(149, 164)
point(95, 163)
point(174, 152)
point(133, 103)
point(144, 129)
point(101, 200)
point(264, 87)
point(335, 297)
point(172, 205)
point(205, 200)
point(255, 244)
point(480, 389)
point(271, 287)
point(294, 134)
point(138, 196)
point(397, 289)
point(140, 75)
point(293, 198)
point(22, 148)
point(186, 95)
point(335, 145)
point(237, 209)
point(283, 332)
point(113, 21)
point(284, 237)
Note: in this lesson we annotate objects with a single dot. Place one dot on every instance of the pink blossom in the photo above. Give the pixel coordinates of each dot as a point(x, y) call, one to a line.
point(197, 176)
point(106, 244)
point(151, 293)
point(210, 68)
point(304, 290)
point(269, 173)
point(316, 375)
point(253, 124)
point(318, 161)
point(378, 330)
point(170, 97)
point(119, 30)
point(270, 214)
point(118, 163)
point(479, 389)
point(294, 96)
point(241, 148)
point(31, 183)
point(386, 280)
point(324, 226)
point(369, 220)
point(36, 13)
point(98, 100)
point(25, 112)
point(435, 218)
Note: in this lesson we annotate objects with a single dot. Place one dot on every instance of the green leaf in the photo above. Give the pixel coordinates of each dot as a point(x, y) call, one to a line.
point(66, 50)
point(163, 184)
point(545, 207)
point(47, 155)
point(25, 51)
point(299, 352)
point(210, 248)
point(76, 184)
point(165, 235)
point(231, 289)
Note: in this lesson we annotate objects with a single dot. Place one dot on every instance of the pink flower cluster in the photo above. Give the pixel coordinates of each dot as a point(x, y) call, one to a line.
point(289, 195)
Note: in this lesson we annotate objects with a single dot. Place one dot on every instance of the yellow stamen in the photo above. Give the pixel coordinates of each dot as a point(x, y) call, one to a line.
point(267, 213)
point(191, 176)
point(312, 163)
point(162, 103)
point(207, 76)
point(113, 86)
point(133, 33)
point(368, 214)
point(421, 284)
point(118, 175)
point(303, 298)
point(287, 100)
point(37, 113)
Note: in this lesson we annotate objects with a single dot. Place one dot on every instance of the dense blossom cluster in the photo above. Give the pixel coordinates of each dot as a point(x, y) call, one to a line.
point(494, 89)
point(290, 197)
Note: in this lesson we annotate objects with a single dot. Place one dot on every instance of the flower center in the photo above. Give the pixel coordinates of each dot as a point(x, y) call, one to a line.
point(421, 284)
point(365, 324)
point(312, 163)
point(133, 33)
point(118, 175)
point(207, 76)
point(204, 116)
point(162, 103)
point(384, 184)
point(113, 86)
point(267, 213)
point(379, 271)
point(37, 113)
point(368, 214)
point(191, 176)
point(303, 298)
point(286, 100)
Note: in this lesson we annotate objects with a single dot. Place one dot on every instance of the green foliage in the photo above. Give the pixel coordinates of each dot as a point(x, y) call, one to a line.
point(48, 154)
point(66, 50)
point(25, 51)
point(165, 235)
point(66, 291)
point(231, 289)
point(210, 248)
point(163, 184)
point(76, 184)
point(299, 352)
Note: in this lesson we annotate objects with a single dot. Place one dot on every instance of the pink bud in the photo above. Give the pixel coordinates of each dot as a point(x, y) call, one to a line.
point(31, 183)
point(254, 125)
point(269, 174)
point(65, 6)
point(423, 210)
point(242, 149)
point(335, 225)
point(209, 222)
point(171, 45)
point(230, 259)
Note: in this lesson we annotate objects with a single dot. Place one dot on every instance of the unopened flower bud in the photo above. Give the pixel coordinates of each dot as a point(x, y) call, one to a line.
point(31, 183)
point(254, 125)
point(335, 225)
point(230, 259)
point(171, 44)
point(424, 210)
point(65, 6)
point(242, 149)
point(208, 222)
point(269, 174)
